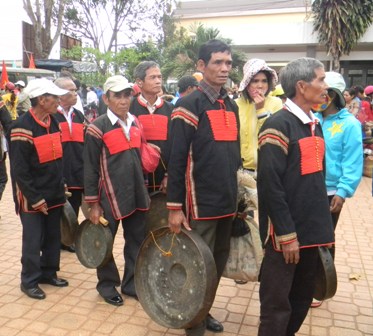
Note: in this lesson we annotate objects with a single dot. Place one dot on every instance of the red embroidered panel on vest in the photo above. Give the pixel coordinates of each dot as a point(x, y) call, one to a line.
point(223, 124)
point(48, 147)
point(155, 126)
point(312, 150)
point(77, 134)
point(117, 142)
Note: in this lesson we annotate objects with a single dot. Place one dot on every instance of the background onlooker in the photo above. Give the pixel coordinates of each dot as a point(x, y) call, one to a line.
point(24, 103)
point(11, 100)
point(5, 123)
point(352, 103)
point(186, 85)
point(344, 149)
point(255, 106)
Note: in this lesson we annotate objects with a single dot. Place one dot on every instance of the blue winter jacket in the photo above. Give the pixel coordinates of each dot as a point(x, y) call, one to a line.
point(344, 152)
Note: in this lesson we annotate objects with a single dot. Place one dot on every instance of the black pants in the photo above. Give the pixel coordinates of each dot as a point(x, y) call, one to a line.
point(335, 218)
point(133, 234)
point(3, 176)
point(76, 200)
point(41, 241)
point(286, 291)
point(217, 234)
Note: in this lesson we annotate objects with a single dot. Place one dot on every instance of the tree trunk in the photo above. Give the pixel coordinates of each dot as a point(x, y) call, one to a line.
point(336, 64)
point(42, 24)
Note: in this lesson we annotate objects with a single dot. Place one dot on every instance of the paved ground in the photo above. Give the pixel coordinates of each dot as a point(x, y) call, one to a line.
point(79, 310)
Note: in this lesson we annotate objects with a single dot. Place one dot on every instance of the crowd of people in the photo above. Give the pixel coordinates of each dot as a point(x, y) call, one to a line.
point(300, 136)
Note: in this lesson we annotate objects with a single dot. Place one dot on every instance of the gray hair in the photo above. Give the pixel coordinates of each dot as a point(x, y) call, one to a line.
point(297, 70)
point(141, 68)
point(61, 82)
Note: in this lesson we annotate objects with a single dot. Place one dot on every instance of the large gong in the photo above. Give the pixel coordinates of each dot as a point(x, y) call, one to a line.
point(326, 279)
point(69, 224)
point(175, 278)
point(157, 216)
point(94, 243)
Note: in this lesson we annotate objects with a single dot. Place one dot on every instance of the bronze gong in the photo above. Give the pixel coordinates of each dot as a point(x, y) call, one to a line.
point(326, 279)
point(94, 243)
point(157, 216)
point(175, 278)
point(69, 224)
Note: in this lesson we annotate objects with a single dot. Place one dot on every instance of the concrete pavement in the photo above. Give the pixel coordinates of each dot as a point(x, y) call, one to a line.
point(78, 310)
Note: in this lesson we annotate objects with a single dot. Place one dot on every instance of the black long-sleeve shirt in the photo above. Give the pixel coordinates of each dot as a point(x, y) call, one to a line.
point(293, 202)
point(204, 154)
point(36, 163)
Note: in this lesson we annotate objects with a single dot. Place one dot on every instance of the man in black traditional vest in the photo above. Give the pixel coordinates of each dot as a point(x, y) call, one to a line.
point(294, 214)
point(38, 186)
point(203, 163)
point(114, 184)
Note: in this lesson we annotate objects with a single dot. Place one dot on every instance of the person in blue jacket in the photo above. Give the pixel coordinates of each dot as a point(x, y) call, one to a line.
point(344, 148)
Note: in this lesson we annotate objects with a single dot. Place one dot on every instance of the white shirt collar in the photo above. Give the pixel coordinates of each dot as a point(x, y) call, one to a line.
point(298, 112)
point(151, 108)
point(66, 112)
point(113, 118)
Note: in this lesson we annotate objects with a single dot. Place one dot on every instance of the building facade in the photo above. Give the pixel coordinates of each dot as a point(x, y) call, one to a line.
point(276, 31)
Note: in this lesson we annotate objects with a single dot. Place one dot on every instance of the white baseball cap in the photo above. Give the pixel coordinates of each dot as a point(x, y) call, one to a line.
point(117, 83)
point(38, 87)
point(337, 84)
point(20, 83)
point(335, 80)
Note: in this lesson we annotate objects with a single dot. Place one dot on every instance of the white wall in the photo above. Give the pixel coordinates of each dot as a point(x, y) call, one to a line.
point(11, 30)
point(270, 30)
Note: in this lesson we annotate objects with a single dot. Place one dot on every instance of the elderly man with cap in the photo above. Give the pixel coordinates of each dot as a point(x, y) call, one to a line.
point(38, 187)
point(72, 124)
point(24, 103)
point(114, 184)
point(294, 214)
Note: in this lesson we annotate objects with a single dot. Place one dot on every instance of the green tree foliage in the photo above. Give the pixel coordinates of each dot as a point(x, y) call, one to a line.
point(45, 15)
point(340, 24)
point(181, 52)
point(122, 62)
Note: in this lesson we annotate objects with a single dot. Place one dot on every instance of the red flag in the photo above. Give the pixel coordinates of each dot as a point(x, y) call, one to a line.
point(32, 63)
point(4, 76)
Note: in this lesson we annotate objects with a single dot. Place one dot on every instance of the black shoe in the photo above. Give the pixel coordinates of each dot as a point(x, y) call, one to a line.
point(33, 293)
point(213, 325)
point(57, 282)
point(115, 300)
point(68, 248)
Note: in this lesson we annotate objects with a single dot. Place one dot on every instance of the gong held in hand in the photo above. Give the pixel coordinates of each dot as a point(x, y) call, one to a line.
point(69, 224)
point(94, 243)
point(175, 278)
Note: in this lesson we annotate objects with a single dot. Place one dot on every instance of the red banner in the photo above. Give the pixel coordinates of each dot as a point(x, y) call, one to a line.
point(4, 76)
point(32, 63)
